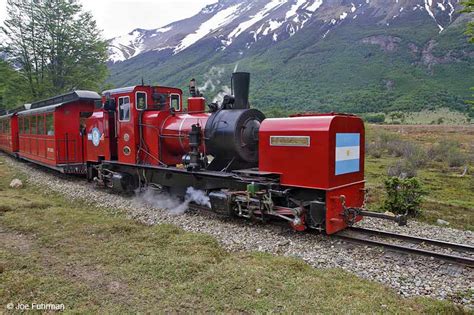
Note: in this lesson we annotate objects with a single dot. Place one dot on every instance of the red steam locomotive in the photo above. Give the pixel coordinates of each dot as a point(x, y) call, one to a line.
point(306, 169)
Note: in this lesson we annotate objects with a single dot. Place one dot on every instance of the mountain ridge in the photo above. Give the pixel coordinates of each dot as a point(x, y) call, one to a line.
point(403, 50)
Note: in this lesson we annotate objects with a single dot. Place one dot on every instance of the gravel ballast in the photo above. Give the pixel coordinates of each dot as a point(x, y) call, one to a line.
point(409, 275)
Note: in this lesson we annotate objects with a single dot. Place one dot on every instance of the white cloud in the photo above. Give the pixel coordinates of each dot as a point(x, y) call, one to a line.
point(118, 17)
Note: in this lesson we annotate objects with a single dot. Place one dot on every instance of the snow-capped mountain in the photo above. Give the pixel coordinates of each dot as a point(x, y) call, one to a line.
point(241, 23)
point(346, 55)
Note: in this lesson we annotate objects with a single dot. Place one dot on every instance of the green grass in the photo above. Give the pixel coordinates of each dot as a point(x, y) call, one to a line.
point(56, 251)
point(449, 196)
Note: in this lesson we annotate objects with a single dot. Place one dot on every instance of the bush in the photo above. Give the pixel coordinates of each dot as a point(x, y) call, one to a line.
point(375, 118)
point(404, 196)
point(374, 150)
point(412, 152)
point(448, 151)
point(456, 160)
point(402, 169)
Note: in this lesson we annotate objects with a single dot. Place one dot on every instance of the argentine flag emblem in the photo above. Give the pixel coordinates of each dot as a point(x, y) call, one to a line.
point(347, 153)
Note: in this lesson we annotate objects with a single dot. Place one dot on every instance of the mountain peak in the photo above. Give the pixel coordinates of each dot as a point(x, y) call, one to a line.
point(228, 21)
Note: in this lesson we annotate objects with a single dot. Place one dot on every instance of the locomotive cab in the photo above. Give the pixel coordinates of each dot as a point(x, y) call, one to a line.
point(117, 130)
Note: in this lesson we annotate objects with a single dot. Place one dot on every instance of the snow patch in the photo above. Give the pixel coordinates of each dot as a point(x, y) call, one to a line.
point(451, 11)
point(131, 42)
point(314, 6)
point(294, 8)
point(343, 16)
point(253, 20)
point(267, 28)
point(428, 4)
point(219, 19)
point(326, 34)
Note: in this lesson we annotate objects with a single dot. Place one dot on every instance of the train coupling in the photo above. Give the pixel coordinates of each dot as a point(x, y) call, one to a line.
point(351, 213)
point(400, 219)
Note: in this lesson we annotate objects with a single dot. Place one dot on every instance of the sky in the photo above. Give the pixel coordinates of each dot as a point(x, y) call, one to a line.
point(119, 17)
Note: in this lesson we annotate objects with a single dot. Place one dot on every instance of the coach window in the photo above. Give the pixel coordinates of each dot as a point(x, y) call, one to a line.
point(175, 102)
point(141, 100)
point(20, 125)
point(7, 128)
point(49, 125)
point(27, 125)
point(41, 124)
point(124, 108)
point(33, 125)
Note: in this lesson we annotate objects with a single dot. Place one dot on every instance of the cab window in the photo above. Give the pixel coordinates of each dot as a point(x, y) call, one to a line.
point(124, 108)
point(175, 102)
point(141, 100)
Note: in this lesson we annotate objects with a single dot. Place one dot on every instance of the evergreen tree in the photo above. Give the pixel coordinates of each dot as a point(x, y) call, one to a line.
point(13, 90)
point(468, 8)
point(55, 45)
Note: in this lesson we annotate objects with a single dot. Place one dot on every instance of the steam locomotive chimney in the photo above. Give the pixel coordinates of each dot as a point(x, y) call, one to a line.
point(240, 89)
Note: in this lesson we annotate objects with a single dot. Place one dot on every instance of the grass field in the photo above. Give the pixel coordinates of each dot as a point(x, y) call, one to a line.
point(440, 116)
point(450, 196)
point(56, 251)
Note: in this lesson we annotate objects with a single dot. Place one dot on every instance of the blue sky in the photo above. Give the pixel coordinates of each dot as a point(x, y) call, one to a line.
point(117, 17)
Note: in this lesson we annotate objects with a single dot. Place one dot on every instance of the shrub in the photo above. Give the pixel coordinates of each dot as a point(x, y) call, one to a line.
point(404, 196)
point(456, 159)
point(448, 151)
point(374, 150)
point(375, 118)
point(414, 154)
point(402, 169)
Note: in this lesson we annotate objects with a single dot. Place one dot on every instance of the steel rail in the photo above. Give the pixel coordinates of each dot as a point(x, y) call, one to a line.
point(467, 261)
point(416, 239)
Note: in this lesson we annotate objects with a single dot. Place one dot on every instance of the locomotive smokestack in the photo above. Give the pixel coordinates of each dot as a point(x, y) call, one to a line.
point(240, 89)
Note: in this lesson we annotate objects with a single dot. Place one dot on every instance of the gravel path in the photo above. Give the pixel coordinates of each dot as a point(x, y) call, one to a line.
point(407, 274)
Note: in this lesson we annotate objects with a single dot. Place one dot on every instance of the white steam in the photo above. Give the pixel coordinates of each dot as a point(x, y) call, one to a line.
point(173, 204)
point(213, 79)
point(236, 67)
point(213, 83)
point(225, 90)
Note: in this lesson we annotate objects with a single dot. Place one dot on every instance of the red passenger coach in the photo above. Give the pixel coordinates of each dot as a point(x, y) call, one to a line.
point(9, 132)
point(52, 132)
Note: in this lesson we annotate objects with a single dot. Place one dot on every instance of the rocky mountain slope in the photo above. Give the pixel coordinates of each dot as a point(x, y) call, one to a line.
point(352, 55)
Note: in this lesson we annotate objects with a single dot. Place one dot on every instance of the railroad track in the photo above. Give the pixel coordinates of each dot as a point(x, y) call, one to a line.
point(377, 238)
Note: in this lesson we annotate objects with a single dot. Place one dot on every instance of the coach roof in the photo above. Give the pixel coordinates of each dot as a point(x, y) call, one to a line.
point(57, 101)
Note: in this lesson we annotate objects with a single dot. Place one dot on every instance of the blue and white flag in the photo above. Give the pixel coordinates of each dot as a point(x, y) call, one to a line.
point(347, 153)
